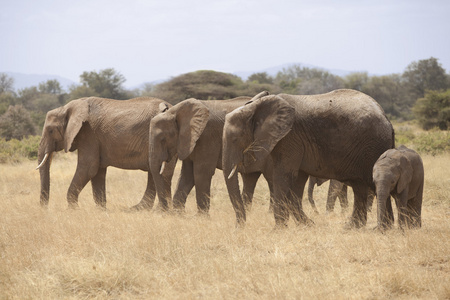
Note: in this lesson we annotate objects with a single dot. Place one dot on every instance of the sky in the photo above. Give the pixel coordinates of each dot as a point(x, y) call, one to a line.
point(152, 40)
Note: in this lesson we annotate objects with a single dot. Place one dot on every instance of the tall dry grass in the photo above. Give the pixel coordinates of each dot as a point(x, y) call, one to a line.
point(89, 253)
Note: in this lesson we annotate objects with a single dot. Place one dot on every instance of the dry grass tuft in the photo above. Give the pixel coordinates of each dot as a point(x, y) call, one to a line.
point(90, 253)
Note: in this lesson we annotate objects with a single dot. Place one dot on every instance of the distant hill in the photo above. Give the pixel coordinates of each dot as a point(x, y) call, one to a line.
point(22, 81)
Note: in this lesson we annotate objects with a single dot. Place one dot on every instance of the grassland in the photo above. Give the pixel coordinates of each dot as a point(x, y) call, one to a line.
point(59, 253)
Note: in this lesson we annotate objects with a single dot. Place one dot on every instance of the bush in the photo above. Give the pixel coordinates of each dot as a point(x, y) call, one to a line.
point(14, 151)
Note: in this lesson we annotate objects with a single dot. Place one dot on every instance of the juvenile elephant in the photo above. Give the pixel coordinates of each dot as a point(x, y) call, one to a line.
point(338, 135)
point(399, 172)
point(192, 130)
point(106, 133)
point(336, 189)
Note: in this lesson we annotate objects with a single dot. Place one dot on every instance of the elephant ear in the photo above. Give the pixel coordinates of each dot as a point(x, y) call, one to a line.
point(406, 172)
point(192, 116)
point(77, 113)
point(273, 119)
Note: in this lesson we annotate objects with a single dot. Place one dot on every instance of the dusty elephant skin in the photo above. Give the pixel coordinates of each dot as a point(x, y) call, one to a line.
point(336, 189)
point(106, 133)
point(192, 130)
point(399, 173)
point(338, 135)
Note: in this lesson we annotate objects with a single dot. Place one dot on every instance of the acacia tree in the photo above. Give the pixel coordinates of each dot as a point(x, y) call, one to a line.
point(106, 83)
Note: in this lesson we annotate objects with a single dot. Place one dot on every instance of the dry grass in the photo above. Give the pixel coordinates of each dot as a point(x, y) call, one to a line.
point(88, 253)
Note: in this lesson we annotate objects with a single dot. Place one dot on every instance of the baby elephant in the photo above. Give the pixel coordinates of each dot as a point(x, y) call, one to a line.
point(399, 172)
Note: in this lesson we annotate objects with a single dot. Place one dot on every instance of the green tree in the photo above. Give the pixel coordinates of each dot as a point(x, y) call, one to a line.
point(6, 83)
point(390, 93)
point(424, 75)
point(306, 81)
point(50, 87)
point(16, 123)
point(356, 80)
point(433, 110)
point(107, 84)
point(262, 78)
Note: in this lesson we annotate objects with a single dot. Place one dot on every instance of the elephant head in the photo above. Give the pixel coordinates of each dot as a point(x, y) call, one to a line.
point(175, 133)
point(60, 129)
point(250, 134)
point(392, 173)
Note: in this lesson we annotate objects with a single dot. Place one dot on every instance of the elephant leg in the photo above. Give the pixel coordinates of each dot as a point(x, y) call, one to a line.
point(184, 186)
point(148, 199)
point(202, 179)
point(282, 185)
point(98, 187)
point(311, 184)
point(343, 199)
point(82, 176)
point(296, 197)
point(270, 185)
point(359, 214)
point(249, 181)
point(415, 210)
point(402, 206)
point(370, 198)
point(333, 192)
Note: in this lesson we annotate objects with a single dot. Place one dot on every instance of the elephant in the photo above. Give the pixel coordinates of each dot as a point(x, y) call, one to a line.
point(337, 135)
point(336, 189)
point(399, 172)
point(192, 131)
point(106, 133)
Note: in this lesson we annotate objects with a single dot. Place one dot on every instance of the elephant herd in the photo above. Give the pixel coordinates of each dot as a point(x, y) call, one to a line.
point(343, 135)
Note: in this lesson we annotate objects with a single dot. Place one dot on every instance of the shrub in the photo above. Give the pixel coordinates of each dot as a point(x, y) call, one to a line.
point(14, 151)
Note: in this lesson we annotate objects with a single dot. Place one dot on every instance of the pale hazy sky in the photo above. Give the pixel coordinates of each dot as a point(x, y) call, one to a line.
point(151, 40)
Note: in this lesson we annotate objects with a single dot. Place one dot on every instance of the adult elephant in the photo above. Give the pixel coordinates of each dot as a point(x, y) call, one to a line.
point(106, 133)
point(338, 135)
point(336, 189)
point(192, 130)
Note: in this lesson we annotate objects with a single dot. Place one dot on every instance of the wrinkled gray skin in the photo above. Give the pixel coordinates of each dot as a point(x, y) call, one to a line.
point(192, 130)
point(106, 133)
point(338, 135)
point(399, 172)
point(336, 189)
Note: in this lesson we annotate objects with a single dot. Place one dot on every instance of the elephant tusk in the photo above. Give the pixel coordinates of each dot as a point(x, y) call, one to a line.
point(232, 172)
point(43, 161)
point(163, 166)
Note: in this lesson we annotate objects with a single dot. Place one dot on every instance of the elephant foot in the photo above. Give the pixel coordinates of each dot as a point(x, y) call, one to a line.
point(142, 206)
point(202, 214)
point(353, 224)
point(73, 205)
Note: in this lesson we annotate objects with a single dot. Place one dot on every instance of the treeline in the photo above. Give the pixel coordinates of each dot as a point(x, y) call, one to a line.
point(421, 92)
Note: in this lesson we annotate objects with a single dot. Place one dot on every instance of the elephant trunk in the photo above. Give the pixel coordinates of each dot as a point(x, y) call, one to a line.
point(162, 181)
point(44, 160)
point(232, 182)
point(383, 219)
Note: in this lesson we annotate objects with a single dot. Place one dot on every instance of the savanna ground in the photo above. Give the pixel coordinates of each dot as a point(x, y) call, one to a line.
point(89, 253)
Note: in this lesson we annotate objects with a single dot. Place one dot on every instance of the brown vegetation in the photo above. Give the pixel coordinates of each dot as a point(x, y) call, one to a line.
point(89, 253)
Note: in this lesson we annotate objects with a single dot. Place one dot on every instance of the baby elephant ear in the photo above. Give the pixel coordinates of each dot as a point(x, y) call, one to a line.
point(77, 112)
point(406, 172)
